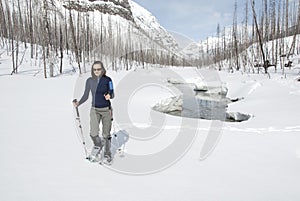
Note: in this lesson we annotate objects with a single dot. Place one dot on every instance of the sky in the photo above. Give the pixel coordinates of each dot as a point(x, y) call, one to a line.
point(196, 19)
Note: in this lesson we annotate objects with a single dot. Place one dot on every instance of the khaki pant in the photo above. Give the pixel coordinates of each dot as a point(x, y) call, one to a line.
point(96, 115)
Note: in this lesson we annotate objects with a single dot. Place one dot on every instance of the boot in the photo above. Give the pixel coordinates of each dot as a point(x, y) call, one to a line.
point(94, 156)
point(107, 151)
point(97, 141)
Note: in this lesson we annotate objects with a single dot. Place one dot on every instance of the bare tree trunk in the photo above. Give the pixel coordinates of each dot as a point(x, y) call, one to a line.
point(265, 33)
point(245, 38)
point(296, 31)
point(55, 38)
point(3, 25)
point(21, 26)
point(273, 32)
point(66, 32)
point(61, 50)
point(16, 26)
point(287, 16)
point(79, 33)
point(31, 29)
point(235, 40)
point(87, 44)
point(283, 35)
point(44, 61)
point(259, 37)
point(74, 41)
point(11, 35)
point(218, 53)
point(45, 37)
point(101, 37)
point(278, 30)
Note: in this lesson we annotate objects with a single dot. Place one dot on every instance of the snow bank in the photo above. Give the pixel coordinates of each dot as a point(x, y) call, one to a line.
point(169, 105)
point(42, 159)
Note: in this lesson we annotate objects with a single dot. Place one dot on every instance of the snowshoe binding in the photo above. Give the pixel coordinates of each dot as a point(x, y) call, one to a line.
point(95, 154)
point(108, 160)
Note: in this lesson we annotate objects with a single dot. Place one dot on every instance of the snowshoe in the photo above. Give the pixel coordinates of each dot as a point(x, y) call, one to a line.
point(108, 160)
point(95, 154)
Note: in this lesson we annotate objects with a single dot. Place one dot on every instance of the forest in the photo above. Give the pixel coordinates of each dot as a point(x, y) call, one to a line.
point(53, 30)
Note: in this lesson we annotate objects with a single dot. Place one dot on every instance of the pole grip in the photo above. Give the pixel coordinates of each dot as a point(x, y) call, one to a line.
point(77, 111)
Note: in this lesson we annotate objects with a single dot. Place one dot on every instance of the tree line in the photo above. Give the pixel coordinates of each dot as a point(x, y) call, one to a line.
point(53, 31)
point(260, 39)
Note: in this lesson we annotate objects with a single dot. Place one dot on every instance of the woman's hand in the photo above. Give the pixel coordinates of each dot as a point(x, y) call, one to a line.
point(107, 96)
point(75, 103)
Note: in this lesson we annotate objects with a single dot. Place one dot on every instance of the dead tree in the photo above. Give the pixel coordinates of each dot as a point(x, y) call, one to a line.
point(259, 37)
point(234, 35)
point(74, 41)
point(296, 31)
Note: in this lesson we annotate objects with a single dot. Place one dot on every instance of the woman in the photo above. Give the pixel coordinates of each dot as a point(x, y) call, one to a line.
point(101, 87)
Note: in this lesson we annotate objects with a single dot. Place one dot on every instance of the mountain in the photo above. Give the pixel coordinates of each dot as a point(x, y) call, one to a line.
point(129, 11)
point(208, 46)
point(111, 7)
point(146, 21)
point(182, 40)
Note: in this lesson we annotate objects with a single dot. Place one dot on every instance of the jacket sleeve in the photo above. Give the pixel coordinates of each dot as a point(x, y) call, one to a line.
point(111, 89)
point(86, 93)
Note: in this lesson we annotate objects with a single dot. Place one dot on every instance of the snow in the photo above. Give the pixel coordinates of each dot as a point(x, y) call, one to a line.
point(42, 158)
point(144, 19)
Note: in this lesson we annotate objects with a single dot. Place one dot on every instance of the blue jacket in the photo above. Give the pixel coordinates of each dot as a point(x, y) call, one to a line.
point(98, 87)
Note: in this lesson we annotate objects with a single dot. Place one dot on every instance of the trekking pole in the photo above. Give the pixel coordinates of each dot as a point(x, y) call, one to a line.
point(80, 128)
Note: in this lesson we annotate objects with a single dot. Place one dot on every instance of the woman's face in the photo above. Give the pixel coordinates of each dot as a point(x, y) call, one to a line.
point(97, 68)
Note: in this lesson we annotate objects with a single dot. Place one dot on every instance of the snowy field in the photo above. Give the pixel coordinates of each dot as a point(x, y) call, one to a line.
point(255, 160)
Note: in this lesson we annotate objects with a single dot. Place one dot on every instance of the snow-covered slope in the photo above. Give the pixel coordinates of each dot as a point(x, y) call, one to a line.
point(42, 159)
point(194, 49)
point(145, 20)
point(129, 11)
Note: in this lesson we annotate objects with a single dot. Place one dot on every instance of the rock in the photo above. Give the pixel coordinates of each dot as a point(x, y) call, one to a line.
point(169, 105)
point(174, 81)
point(112, 7)
point(237, 116)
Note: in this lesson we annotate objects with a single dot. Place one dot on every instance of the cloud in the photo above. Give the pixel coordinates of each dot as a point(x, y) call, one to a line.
point(217, 15)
